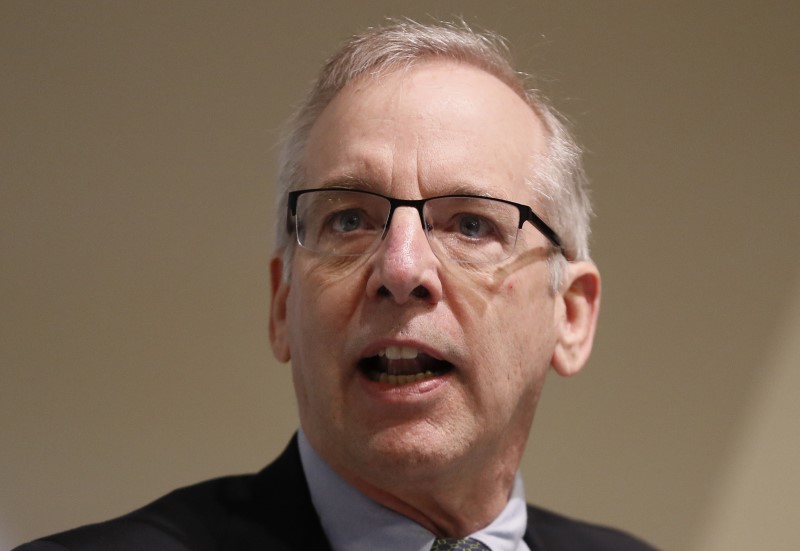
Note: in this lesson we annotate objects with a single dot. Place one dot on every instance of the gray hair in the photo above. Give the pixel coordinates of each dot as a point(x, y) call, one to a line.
point(557, 179)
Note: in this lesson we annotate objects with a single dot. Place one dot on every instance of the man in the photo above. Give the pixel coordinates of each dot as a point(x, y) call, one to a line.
point(432, 265)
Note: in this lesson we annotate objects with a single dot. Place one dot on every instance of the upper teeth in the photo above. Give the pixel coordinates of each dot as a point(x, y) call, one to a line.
point(399, 353)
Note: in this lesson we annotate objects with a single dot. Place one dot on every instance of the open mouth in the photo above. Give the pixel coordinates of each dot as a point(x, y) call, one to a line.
point(401, 365)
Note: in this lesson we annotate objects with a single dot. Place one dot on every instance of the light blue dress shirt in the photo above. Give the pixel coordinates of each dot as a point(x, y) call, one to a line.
point(354, 522)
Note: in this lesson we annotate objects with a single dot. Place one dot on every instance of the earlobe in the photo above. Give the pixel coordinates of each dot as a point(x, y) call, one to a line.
point(578, 318)
point(277, 312)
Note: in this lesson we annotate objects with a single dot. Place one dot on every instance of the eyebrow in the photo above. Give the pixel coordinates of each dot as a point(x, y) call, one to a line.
point(465, 188)
point(350, 182)
point(360, 184)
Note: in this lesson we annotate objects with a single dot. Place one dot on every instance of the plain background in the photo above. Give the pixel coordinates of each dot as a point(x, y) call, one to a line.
point(137, 160)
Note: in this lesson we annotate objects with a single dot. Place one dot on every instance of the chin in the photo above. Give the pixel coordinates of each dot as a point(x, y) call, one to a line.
point(411, 452)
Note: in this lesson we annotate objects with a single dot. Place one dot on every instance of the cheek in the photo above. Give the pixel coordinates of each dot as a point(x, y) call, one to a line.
point(320, 308)
point(523, 316)
point(316, 314)
point(324, 294)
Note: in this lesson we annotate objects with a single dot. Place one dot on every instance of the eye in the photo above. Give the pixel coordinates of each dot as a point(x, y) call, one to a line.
point(473, 226)
point(346, 221)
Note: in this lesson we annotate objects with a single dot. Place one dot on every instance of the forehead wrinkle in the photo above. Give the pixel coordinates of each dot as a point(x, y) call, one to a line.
point(348, 181)
point(357, 183)
point(405, 160)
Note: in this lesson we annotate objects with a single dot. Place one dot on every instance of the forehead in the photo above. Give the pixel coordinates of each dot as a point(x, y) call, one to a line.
point(436, 127)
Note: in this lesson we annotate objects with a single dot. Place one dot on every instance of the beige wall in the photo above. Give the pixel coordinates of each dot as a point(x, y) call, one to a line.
point(136, 160)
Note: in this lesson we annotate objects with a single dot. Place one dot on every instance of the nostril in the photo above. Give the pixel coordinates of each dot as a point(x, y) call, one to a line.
point(421, 292)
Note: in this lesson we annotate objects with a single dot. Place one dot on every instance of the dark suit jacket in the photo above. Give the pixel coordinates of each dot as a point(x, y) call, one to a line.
point(273, 511)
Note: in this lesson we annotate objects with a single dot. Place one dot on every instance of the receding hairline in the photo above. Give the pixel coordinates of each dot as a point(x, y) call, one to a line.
point(441, 65)
point(404, 43)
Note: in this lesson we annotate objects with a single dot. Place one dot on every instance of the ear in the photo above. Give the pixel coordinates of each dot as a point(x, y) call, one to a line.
point(580, 296)
point(279, 288)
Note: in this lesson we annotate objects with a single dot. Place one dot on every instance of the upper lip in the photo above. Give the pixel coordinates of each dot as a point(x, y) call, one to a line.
point(376, 347)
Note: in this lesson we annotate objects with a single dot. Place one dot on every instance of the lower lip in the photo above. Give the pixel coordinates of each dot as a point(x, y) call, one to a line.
point(418, 390)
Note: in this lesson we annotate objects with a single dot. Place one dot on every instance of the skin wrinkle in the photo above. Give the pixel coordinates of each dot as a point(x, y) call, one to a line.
point(498, 325)
point(463, 278)
point(466, 274)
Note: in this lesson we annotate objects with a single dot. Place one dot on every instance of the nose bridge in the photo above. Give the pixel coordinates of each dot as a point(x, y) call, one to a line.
point(405, 266)
point(401, 230)
point(416, 204)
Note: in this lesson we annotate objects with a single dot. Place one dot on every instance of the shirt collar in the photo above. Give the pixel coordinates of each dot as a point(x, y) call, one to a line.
point(354, 522)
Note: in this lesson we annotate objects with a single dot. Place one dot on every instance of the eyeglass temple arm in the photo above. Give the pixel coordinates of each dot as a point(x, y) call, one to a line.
point(547, 231)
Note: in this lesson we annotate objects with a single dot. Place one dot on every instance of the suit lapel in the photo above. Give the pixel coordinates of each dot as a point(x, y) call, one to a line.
point(531, 537)
point(284, 503)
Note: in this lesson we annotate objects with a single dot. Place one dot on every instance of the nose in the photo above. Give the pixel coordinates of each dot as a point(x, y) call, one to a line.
point(404, 266)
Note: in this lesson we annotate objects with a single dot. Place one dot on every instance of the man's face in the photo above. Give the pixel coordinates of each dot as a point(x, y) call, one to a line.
point(482, 337)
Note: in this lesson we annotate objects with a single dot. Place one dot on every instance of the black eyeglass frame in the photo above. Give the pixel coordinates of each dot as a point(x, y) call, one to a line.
point(526, 213)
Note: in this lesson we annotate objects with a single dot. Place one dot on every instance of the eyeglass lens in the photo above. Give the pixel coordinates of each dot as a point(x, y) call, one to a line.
point(352, 223)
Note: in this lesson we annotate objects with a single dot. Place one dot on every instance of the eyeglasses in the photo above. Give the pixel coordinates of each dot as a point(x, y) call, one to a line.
point(464, 228)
